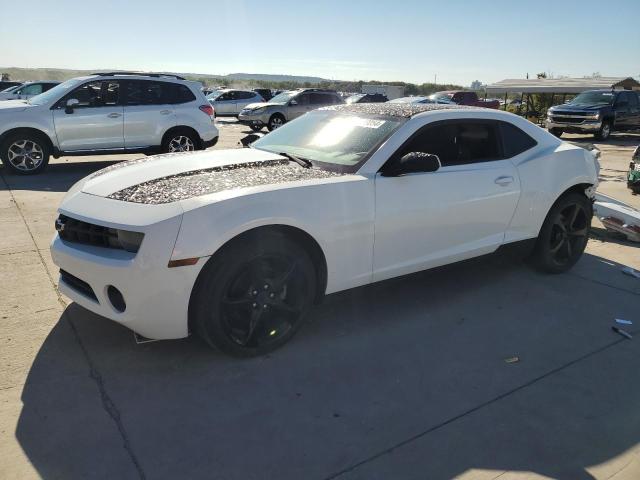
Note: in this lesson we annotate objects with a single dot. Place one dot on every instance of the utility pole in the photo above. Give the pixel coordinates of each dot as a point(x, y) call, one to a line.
point(435, 79)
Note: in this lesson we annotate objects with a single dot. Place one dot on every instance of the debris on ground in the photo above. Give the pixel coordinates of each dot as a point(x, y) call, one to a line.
point(618, 217)
point(623, 322)
point(631, 272)
point(512, 359)
point(622, 332)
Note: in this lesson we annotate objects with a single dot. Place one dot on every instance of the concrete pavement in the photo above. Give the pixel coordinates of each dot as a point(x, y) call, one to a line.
point(402, 379)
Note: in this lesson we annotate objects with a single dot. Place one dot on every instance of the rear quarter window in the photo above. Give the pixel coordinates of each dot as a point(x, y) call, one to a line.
point(514, 140)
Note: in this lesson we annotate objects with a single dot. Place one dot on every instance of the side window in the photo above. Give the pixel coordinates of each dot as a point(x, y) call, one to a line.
point(514, 140)
point(33, 89)
point(181, 94)
point(634, 102)
point(457, 143)
point(321, 99)
point(224, 97)
point(303, 99)
point(144, 92)
point(95, 94)
point(623, 99)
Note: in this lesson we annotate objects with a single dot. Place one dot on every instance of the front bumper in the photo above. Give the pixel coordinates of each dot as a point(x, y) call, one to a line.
point(156, 296)
point(585, 126)
point(254, 119)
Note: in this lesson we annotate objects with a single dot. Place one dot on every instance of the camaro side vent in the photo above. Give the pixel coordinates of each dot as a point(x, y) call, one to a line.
point(78, 285)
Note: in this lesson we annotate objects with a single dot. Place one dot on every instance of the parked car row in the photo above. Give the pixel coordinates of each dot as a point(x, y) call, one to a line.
point(105, 113)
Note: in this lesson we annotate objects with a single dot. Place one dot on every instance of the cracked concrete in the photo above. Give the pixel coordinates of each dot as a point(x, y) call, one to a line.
point(404, 379)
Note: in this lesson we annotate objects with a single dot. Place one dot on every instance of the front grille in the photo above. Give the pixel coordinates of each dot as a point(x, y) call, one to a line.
point(560, 119)
point(78, 285)
point(76, 231)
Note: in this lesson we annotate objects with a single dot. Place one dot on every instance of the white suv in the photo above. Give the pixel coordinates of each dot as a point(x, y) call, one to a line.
point(105, 113)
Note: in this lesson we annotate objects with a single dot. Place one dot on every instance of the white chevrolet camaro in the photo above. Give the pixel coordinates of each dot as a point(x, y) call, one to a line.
point(237, 245)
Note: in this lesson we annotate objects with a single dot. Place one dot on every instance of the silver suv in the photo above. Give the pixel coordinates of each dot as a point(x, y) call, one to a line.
point(286, 106)
point(105, 113)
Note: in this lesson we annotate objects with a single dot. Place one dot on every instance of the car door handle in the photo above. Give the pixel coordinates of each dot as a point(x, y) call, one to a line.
point(114, 115)
point(504, 180)
point(165, 112)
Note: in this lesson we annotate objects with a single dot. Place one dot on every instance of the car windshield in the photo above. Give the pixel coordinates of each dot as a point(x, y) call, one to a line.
point(593, 98)
point(283, 97)
point(329, 139)
point(354, 98)
point(55, 93)
point(408, 100)
point(441, 97)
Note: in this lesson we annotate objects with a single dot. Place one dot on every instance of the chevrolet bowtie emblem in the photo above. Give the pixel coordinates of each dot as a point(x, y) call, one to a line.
point(59, 225)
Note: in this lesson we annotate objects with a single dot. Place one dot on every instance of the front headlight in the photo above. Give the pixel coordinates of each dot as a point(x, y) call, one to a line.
point(549, 112)
point(257, 111)
point(129, 241)
point(595, 116)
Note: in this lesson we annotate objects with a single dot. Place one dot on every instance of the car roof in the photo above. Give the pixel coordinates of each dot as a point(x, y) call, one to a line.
point(402, 110)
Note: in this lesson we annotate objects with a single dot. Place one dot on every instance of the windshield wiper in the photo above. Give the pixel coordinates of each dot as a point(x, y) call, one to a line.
point(300, 161)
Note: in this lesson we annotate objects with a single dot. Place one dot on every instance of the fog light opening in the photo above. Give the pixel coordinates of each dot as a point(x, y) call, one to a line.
point(116, 298)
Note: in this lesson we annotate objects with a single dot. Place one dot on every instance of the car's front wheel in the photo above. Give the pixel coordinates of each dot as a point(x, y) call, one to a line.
point(252, 296)
point(25, 153)
point(276, 121)
point(564, 234)
point(604, 132)
point(556, 131)
point(256, 128)
point(180, 141)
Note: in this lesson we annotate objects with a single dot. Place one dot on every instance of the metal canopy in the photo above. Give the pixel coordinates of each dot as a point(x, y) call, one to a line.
point(561, 85)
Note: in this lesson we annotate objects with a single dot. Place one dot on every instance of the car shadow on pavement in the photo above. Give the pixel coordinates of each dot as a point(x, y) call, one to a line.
point(58, 177)
point(481, 365)
point(616, 139)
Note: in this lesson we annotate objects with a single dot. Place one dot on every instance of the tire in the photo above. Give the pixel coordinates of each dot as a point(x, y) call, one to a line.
point(564, 234)
point(180, 140)
point(256, 128)
point(25, 153)
point(605, 130)
point(556, 132)
point(276, 121)
point(251, 297)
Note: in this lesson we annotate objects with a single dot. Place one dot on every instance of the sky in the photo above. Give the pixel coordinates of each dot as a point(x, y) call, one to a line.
point(415, 41)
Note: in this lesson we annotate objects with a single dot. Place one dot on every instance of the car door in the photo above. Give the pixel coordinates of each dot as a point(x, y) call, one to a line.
point(225, 104)
point(634, 110)
point(460, 211)
point(245, 98)
point(148, 112)
point(299, 105)
point(623, 115)
point(96, 121)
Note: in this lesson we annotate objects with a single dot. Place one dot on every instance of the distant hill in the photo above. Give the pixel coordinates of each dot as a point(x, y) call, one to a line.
point(61, 74)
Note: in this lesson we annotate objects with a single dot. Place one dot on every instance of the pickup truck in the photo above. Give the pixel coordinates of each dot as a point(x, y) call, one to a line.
point(599, 112)
point(462, 97)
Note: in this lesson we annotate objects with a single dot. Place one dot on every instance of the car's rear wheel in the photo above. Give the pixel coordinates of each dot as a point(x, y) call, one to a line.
point(604, 132)
point(251, 298)
point(556, 131)
point(276, 121)
point(564, 234)
point(180, 141)
point(25, 153)
point(256, 128)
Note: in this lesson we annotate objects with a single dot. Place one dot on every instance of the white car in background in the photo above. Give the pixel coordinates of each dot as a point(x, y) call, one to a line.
point(26, 90)
point(229, 103)
point(237, 245)
point(105, 113)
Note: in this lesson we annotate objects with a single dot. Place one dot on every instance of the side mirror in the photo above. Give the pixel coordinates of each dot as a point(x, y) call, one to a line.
point(293, 103)
point(71, 104)
point(414, 162)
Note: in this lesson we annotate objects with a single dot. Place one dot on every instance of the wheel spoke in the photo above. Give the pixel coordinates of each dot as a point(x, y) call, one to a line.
point(573, 217)
point(569, 249)
point(236, 302)
point(281, 280)
point(556, 248)
point(283, 307)
point(579, 233)
point(254, 320)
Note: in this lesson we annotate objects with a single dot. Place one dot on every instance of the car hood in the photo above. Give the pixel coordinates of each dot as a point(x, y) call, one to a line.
point(578, 108)
point(253, 106)
point(175, 177)
point(12, 106)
